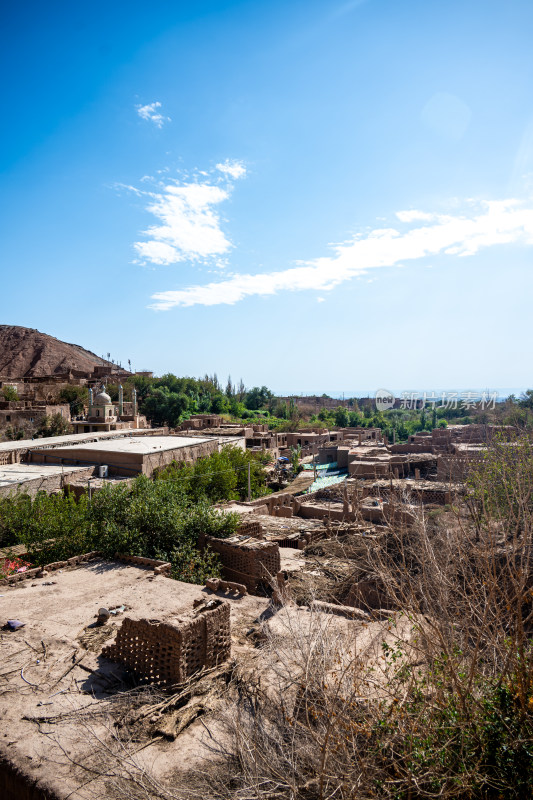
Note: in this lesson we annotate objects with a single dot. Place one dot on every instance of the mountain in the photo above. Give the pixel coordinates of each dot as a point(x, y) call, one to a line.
point(28, 353)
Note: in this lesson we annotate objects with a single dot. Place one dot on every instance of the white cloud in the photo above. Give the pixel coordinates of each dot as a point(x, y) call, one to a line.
point(190, 227)
point(149, 112)
point(157, 252)
point(235, 169)
point(461, 234)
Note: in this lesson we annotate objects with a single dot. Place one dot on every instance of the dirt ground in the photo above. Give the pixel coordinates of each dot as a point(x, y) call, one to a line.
point(53, 680)
point(72, 721)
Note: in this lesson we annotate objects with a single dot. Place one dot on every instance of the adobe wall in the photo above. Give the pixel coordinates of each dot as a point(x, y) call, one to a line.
point(325, 513)
point(47, 484)
point(455, 467)
point(413, 447)
point(189, 454)
point(368, 469)
point(306, 439)
point(169, 654)
point(250, 527)
point(123, 463)
point(343, 456)
point(17, 784)
point(252, 563)
point(390, 513)
point(272, 501)
point(29, 417)
point(327, 454)
point(425, 495)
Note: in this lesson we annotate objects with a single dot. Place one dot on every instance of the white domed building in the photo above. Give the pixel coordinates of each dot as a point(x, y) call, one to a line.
point(102, 409)
point(105, 415)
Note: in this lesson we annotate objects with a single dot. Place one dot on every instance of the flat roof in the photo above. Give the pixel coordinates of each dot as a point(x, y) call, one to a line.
point(14, 474)
point(73, 438)
point(41, 679)
point(144, 445)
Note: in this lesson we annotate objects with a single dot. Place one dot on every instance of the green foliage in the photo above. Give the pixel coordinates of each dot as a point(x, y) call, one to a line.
point(526, 400)
point(296, 454)
point(237, 409)
point(10, 393)
point(192, 566)
point(155, 519)
point(221, 476)
point(476, 745)
point(342, 418)
point(501, 484)
point(280, 410)
point(76, 396)
point(257, 397)
point(169, 400)
point(54, 425)
point(14, 434)
point(33, 521)
point(164, 407)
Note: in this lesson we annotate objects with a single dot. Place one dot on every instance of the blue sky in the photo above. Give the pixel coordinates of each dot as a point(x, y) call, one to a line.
point(316, 196)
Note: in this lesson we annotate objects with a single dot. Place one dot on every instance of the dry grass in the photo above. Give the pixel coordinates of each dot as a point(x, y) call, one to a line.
point(435, 702)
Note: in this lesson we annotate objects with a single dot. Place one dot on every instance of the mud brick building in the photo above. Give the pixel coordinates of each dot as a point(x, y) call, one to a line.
point(166, 653)
point(246, 560)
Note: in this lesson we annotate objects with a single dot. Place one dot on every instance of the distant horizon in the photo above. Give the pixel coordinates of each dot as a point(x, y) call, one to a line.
point(503, 393)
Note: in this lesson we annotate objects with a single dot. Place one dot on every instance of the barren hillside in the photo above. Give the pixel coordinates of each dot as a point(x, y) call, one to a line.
point(26, 352)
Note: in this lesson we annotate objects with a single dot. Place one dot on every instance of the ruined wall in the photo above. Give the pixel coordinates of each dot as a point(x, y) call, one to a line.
point(455, 467)
point(425, 495)
point(28, 418)
point(368, 469)
point(250, 527)
point(168, 654)
point(250, 562)
point(325, 513)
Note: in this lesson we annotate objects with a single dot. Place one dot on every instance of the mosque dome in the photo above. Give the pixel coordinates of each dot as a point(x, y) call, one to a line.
point(102, 399)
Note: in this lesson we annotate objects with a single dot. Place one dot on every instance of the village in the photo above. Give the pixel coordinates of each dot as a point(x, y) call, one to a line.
point(107, 654)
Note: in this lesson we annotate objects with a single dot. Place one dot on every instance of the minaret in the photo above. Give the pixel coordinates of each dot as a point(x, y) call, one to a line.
point(120, 400)
point(90, 397)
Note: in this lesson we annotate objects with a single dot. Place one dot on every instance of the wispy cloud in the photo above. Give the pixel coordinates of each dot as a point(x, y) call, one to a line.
point(150, 112)
point(235, 169)
point(190, 226)
point(477, 226)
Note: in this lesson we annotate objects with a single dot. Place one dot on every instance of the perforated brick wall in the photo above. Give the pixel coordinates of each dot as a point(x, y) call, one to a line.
point(252, 563)
point(250, 528)
point(161, 652)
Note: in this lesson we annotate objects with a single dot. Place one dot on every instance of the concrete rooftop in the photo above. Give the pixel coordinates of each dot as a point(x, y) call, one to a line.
point(14, 474)
point(72, 438)
point(141, 445)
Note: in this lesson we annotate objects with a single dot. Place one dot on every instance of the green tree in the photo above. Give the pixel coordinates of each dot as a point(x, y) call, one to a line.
point(341, 417)
point(257, 397)
point(10, 393)
point(526, 401)
point(54, 425)
point(76, 396)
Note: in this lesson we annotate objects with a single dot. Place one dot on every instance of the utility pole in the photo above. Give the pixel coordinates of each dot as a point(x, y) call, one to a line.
point(249, 484)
